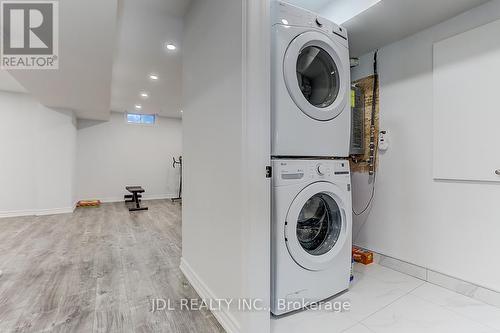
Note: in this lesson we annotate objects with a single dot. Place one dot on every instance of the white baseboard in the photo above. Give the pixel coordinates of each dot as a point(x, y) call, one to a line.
point(226, 319)
point(69, 210)
point(37, 212)
point(145, 198)
point(18, 213)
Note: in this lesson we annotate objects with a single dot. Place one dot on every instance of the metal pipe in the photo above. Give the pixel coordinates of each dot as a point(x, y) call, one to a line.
point(374, 111)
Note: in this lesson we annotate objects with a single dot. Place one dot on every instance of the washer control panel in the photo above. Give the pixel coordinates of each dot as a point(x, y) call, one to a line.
point(323, 169)
point(297, 171)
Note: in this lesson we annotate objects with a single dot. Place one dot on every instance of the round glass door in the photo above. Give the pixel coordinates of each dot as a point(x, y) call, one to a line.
point(317, 227)
point(319, 224)
point(317, 76)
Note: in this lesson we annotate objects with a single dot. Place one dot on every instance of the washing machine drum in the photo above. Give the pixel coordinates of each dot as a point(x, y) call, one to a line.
point(315, 230)
point(319, 224)
point(317, 76)
point(314, 75)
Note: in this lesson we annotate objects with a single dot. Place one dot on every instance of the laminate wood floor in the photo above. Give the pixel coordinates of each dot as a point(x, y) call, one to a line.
point(96, 271)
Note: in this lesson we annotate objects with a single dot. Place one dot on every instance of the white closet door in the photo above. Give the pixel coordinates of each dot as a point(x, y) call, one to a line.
point(467, 105)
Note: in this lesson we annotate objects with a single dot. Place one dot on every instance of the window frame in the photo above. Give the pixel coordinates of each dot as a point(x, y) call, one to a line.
point(141, 115)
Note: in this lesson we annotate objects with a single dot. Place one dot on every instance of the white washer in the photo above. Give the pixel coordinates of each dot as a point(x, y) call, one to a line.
point(311, 232)
point(310, 84)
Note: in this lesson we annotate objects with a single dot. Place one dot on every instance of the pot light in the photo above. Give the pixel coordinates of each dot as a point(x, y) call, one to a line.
point(170, 47)
point(144, 94)
point(154, 77)
point(284, 21)
point(138, 107)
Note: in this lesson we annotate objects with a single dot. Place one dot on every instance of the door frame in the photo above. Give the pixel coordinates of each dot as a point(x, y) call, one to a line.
point(256, 154)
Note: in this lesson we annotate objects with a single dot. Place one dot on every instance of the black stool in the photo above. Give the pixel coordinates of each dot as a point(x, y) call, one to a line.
point(135, 197)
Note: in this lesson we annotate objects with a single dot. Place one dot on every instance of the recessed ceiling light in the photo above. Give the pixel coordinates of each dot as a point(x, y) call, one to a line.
point(171, 47)
point(144, 94)
point(182, 111)
point(284, 21)
point(138, 107)
point(154, 77)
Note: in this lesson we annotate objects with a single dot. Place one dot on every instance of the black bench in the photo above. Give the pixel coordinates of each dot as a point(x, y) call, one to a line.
point(135, 197)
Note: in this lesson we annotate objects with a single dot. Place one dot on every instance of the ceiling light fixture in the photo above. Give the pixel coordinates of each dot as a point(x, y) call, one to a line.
point(285, 22)
point(144, 94)
point(154, 77)
point(138, 107)
point(171, 47)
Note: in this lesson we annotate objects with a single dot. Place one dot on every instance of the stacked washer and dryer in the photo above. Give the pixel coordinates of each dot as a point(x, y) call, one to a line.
point(311, 193)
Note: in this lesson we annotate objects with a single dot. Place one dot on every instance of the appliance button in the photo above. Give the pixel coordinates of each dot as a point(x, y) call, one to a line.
point(322, 170)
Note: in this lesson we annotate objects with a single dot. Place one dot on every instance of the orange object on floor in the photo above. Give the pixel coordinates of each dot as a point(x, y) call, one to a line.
point(362, 256)
point(88, 203)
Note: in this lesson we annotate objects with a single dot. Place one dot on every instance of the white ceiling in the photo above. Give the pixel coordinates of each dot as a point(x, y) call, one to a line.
point(103, 68)
point(83, 81)
point(144, 28)
point(338, 11)
point(313, 5)
point(8, 83)
point(390, 20)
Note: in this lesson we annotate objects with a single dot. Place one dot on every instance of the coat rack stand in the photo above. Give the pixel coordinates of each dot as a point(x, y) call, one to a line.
point(179, 162)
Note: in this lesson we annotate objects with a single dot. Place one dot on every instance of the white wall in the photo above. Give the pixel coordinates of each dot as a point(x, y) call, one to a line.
point(114, 154)
point(449, 226)
point(56, 168)
point(225, 252)
point(212, 119)
point(38, 157)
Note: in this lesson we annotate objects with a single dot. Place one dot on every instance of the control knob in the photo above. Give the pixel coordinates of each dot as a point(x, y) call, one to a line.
point(322, 170)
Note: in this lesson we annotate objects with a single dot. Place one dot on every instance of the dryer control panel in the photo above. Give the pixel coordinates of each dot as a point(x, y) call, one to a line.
point(286, 172)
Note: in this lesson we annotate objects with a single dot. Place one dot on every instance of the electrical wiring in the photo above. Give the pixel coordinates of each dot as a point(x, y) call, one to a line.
point(372, 196)
point(373, 145)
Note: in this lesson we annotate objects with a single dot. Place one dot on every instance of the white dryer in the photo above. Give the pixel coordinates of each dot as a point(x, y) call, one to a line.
point(310, 84)
point(311, 232)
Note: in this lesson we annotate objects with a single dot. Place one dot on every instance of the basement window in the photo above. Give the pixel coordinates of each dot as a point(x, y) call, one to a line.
point(143, 119)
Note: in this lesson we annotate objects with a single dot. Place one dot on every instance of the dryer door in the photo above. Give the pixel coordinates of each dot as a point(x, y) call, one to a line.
point(316, 226)
point(315, 75)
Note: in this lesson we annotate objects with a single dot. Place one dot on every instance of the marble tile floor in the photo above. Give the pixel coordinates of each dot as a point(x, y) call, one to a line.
point(386, 301)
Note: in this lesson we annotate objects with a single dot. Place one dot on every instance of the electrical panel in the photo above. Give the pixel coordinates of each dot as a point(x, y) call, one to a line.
point(357, 121)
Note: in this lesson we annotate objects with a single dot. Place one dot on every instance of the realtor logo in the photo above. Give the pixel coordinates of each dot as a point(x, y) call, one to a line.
point(30, 35)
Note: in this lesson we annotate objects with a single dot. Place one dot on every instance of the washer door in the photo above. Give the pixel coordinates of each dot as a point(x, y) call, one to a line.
point(315, 228)
point(314, 76)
